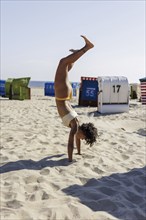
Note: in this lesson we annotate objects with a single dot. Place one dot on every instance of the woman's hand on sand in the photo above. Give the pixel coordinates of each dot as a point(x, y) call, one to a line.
point(78, 154)
point(72, 161)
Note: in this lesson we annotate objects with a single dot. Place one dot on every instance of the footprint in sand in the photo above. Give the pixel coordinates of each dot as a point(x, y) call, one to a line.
point(45, 196)
point(86, 164)
point(1, 147)
point(29, 196)
point(37, 196)
point(87, 156)
point(45, 172)
point(28, 135)
point(113, 143)
point(12, 152)
point(57, 143)
point(55, 186)
point(44, 142)
point(101, 161)
point(7, 183)
point(125, 157)
point(10, 196)
point(97, 170)
point(32, 198)
point(14, 204)
point(40, 179)
point(20, 156)
point(31, 188)
point(30, 179)
point(123, 140)
point(83, 180)
point(9, 139)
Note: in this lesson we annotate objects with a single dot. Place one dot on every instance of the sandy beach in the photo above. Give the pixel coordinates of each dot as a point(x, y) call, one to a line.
point(107, 182)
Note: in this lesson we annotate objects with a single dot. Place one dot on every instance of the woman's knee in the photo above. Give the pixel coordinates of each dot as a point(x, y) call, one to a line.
point(63, 61)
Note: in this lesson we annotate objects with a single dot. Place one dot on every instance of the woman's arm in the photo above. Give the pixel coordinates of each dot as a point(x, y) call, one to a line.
point(71, 140)
point(78, 144)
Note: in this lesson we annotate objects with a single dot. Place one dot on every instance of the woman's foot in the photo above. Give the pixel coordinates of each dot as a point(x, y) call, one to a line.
point(88, 45)
point(73, 51)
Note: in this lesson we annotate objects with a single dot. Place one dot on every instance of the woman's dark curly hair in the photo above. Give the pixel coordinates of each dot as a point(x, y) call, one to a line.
point(90, 132)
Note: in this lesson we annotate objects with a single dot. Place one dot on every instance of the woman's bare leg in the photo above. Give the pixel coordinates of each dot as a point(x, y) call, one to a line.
point(70, 65)
point(66, 63)
point(61, 81)
point(77, 53)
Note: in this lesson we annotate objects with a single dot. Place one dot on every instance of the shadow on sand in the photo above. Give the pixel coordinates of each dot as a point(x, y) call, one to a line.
point(34, 165)
point(142, 132)
point(122, 195)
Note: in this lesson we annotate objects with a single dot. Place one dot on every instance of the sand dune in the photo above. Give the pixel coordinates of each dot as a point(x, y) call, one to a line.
point(38, 183)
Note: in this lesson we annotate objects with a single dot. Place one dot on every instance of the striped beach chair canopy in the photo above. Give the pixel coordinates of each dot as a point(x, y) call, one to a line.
point(143, 90)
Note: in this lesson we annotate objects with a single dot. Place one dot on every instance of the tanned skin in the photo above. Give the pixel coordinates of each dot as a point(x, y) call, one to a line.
point(63, 89)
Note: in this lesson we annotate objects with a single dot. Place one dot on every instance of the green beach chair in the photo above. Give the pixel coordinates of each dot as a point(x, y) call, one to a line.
point(17, 89)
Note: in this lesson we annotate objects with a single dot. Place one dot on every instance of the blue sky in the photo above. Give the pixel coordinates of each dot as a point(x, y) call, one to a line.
point(35, 35)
